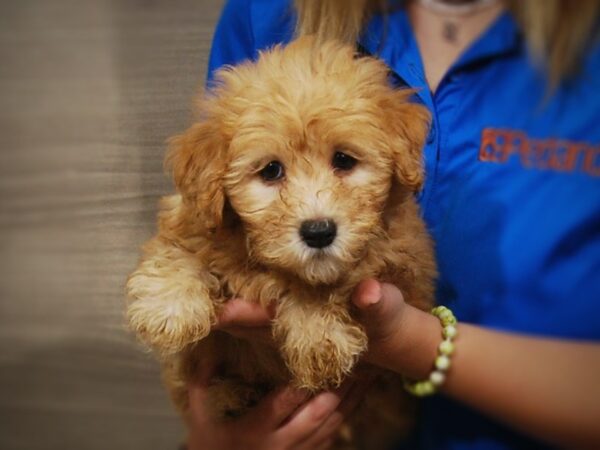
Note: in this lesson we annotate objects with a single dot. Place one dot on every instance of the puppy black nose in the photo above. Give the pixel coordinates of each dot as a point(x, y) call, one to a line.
point(318, 233)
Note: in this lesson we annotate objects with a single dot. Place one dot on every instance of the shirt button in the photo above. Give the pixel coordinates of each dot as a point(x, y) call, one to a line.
point(431, 135)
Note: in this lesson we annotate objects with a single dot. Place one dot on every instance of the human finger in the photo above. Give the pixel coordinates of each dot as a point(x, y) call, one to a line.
point(279, 405)
point(204, 432)
point(328, 430)
point(367, 293)
point(312, 415)
point(379, 307)
point(373, 298)
point(238, 312)
point(355, 396)
point(197, 399)
point(204, 369)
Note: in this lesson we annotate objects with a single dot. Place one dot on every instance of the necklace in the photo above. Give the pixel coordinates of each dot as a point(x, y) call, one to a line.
point(457, 8)
point(451, 10)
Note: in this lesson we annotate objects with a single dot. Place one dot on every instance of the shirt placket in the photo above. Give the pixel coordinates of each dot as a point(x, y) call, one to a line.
point(392, 40)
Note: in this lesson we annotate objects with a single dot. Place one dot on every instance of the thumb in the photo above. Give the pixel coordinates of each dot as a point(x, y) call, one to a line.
point(367, 295)
point(373, 297)
point(378, 303)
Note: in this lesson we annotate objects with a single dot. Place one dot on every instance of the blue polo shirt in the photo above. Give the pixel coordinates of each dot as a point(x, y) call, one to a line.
point(512, 195)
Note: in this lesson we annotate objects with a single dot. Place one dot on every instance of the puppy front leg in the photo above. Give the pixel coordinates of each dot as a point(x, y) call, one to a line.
point(320, 342)
point(169, 304)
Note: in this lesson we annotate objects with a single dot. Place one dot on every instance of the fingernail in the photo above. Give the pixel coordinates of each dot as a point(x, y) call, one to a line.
point(372, 294)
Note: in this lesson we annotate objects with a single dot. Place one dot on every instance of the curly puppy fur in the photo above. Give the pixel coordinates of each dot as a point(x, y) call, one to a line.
point(229, 233)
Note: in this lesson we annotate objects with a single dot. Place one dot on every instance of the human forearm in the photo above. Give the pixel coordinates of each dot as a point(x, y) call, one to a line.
point(543, 387)
point(546, 388)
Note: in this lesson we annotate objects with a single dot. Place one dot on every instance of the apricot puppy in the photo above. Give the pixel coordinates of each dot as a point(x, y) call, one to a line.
point(296, 183)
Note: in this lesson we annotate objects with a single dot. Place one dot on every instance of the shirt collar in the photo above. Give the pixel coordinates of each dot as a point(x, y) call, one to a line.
point(391, 38)
point(501, 38)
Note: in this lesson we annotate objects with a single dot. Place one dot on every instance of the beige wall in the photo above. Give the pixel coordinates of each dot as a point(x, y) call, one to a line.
point(89, 91)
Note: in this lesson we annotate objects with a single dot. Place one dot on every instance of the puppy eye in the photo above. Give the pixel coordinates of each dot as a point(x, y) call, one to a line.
point(272, 171)
point(342, 161)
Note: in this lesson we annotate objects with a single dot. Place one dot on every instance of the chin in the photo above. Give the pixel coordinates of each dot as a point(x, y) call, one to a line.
point(322, 268)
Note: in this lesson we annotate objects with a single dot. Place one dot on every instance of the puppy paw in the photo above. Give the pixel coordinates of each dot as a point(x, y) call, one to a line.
point(167, 314)
point(168, 326)
point(318, 364)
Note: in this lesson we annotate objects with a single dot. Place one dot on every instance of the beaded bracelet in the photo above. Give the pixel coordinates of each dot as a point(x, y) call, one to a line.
point(427, 387)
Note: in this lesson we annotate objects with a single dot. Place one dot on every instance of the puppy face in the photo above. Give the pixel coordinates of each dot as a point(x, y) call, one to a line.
point(304, 145)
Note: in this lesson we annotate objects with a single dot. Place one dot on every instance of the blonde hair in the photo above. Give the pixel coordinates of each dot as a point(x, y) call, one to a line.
point(558, 32)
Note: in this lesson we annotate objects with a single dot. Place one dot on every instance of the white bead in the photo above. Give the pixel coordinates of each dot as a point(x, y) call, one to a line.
point(442, 362)
point(437, 378)
point(449, 331)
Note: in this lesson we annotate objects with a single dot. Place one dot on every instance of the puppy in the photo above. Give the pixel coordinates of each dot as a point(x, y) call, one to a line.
point(297, 183)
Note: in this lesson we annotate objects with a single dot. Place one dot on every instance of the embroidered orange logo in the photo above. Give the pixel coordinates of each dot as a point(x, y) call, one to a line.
point(501, 145)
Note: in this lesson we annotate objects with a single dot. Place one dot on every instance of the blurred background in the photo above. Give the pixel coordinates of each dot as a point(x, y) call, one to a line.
point(89, 92)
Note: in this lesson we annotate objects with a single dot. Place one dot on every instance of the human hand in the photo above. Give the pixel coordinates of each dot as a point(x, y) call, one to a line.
point(287, 419)
point(380, 308)
point(246, 320)
point(402, 338)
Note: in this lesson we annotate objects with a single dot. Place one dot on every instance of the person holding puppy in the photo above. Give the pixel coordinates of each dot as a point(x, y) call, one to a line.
point(512, 200)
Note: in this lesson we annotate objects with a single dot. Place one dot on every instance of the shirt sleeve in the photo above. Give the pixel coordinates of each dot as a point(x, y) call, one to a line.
point(233, 41)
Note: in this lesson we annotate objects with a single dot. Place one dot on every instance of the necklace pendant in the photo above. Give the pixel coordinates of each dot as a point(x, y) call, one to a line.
point(450, 32)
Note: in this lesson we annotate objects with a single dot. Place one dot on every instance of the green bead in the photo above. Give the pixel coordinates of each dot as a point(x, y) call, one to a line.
point(446, 347)
point(449, 331)
point(427, 388)
point(445, 314)
point(451, 320)
point(411, 388)
point(419, 389)
point(423, 388)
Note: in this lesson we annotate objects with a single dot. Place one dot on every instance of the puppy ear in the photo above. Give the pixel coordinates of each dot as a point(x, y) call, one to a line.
point(196, 159)
point(409, 126)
